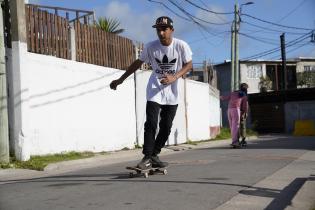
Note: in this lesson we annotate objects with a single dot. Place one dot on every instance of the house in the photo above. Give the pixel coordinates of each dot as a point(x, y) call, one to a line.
point(202, 74)
point(300, 74)
point(252, 72)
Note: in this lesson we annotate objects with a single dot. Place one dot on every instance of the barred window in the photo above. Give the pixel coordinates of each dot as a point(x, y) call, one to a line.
point(254, 71)
point(309, 68)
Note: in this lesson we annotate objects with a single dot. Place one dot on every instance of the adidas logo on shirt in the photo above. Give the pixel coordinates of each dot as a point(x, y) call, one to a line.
point(166, 67)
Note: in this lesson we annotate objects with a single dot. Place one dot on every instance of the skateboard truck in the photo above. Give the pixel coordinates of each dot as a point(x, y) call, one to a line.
point(145, 172)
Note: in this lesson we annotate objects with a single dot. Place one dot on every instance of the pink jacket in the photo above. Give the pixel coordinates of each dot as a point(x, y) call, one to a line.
point(235, 101)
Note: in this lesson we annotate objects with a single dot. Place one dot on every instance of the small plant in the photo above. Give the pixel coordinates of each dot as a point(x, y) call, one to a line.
point(137, 146)
point(40, 162)
point(224, 134)
point(265, 84)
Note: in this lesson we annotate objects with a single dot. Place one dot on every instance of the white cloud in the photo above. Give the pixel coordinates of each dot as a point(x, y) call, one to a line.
point(137, 26)
point(211, 17)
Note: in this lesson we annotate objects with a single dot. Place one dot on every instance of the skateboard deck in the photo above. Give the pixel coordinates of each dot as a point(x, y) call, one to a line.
point(145, 172)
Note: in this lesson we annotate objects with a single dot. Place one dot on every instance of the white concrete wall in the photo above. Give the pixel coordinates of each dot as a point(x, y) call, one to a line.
point(253, 83)
point(70, 107)
point(203, 110)
point(60, 105)
point(298, 110)
point(300, 65)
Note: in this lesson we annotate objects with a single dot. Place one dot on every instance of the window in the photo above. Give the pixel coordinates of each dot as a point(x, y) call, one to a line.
point(309, 68)
point(254, 71)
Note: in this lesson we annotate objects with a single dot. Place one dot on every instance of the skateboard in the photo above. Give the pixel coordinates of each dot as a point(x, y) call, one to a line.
point(241, 145)
point(145, 172)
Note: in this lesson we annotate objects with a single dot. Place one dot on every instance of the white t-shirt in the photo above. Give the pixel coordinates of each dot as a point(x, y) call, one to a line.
point(165, 60)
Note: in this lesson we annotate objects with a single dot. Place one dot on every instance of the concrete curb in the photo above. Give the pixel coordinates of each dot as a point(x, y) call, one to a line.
point(304, 196)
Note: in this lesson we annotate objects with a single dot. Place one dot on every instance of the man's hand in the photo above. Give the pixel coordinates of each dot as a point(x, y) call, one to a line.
point(244, 116)
point(113, 85)
point(168, 79)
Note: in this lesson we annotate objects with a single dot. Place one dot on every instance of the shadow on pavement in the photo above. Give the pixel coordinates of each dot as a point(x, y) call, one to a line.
point(278, 142)
point(282, 198)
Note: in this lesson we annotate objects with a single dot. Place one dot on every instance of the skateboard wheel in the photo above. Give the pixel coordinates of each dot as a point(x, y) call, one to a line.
point(151, 172)
point(130, 174)
point(164, 171)
point(146, 175)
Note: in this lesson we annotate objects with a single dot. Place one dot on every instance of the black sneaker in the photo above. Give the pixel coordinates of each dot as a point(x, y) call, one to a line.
point(235, 145)
point(157, 163)
point(145, 163)
point(243, 142)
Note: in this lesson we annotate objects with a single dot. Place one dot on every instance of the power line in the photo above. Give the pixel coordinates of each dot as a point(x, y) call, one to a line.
point(271, 51)
point(204, 4)
point(276, 24)
point(158, 2)
point(293, 10)
point(205, 21)
point(190, 19)
point(214, 12)
point(263, 40)
point(190, 16)
point(269, 29)
point(291, 50)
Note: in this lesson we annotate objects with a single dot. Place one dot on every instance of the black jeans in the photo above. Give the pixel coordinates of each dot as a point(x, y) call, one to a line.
point(152, 145)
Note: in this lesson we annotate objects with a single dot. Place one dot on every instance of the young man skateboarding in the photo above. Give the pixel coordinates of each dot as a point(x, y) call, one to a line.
point(170, 59)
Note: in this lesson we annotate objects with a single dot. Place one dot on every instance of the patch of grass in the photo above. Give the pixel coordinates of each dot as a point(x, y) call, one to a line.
point(40, 162)
point(251, 132)
point(137, 146)
point(192, 142)
point(224, 134)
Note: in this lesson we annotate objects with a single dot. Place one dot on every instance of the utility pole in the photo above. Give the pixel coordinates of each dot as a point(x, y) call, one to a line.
point(284, 67)
point(235, 71)
point(232, 55)
point(4, 124)
point(234, 50)
point(236, 65)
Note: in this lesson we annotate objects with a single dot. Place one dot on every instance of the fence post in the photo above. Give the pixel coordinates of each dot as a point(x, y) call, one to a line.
point(72, 46)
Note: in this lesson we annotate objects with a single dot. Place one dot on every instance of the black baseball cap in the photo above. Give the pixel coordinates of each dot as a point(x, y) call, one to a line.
point(163, 21)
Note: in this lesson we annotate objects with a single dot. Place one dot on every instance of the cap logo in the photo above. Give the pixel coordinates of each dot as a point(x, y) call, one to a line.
point(163, 21)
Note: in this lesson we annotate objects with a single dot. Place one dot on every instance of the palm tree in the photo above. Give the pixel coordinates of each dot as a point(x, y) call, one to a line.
point(109, 25)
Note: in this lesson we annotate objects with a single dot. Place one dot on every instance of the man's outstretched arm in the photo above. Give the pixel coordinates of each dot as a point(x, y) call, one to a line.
point(131, 69)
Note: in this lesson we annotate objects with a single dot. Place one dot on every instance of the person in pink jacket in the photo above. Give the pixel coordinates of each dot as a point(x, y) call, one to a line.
point(237, 109)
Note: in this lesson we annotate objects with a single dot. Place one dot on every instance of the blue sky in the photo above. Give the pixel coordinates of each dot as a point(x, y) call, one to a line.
point(212, 41)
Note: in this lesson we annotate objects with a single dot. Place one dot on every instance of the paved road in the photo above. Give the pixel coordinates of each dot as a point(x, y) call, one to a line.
point(266, 175)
